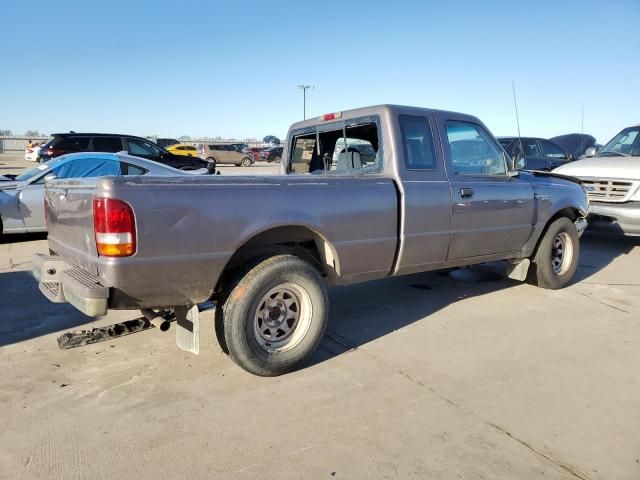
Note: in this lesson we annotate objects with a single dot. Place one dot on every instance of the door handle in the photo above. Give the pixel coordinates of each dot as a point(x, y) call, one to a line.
point(466, 192)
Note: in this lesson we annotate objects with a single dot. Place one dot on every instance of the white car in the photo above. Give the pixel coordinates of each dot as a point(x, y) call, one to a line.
point(32, 154)
point(612, 180)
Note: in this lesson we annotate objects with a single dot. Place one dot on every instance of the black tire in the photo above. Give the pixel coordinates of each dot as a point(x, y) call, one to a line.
point(556, 259)
point(212, 164)
point(239, 316)
point(245, 162)
point(276, 159)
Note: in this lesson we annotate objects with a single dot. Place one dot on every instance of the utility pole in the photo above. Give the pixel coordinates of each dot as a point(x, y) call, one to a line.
point(304, 89)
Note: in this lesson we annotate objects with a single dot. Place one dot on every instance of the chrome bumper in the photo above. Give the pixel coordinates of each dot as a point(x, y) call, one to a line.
point(62, 281)
point(619, 218)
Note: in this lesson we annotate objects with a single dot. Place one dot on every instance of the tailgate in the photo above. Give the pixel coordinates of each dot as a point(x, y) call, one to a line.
point(69, 215)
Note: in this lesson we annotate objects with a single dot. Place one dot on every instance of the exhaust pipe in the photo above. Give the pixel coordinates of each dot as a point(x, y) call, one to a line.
point(156, 319)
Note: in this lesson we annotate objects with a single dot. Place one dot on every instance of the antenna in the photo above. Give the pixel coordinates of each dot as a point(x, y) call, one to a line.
point(515, 103)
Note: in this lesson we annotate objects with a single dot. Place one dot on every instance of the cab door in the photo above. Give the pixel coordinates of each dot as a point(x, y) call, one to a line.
point(425, 223)
point(492, 212)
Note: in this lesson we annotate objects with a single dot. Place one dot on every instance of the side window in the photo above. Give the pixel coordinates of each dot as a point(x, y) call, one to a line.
point(139, 147)
point(473, 151)
point(530, 146)
point(128, 169)
point(107, 144)
point(552, 150)
point(74, 144)
point(419, 153)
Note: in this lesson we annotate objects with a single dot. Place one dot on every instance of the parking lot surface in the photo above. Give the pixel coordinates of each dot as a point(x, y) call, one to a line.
point(461, 375)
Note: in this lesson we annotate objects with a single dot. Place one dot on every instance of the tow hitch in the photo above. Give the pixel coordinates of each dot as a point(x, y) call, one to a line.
point(187, 328)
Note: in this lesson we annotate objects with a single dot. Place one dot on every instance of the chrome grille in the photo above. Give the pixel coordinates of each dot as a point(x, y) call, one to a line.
point(607, 190)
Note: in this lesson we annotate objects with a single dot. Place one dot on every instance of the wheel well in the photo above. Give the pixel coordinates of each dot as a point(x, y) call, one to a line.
point(569, 212)
point(295, 240)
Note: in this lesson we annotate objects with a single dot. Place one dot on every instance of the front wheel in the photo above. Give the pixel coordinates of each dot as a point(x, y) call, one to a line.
point(275, 316)
point(246, 162)
point(556, 260)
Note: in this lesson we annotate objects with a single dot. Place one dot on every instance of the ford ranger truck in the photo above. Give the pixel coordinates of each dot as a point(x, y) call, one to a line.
point(362, 194)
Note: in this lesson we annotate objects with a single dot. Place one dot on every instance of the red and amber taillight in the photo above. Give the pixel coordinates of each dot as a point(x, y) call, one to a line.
point(115, 227)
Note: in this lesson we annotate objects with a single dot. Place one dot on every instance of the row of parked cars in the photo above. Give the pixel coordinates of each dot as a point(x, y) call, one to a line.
point(163, 150)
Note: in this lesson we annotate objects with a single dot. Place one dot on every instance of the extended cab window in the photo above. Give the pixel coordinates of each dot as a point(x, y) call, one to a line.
point(419, 153)
point(473, 151)
point(350, 147)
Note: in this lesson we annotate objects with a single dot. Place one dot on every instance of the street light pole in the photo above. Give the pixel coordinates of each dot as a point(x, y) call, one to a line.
point(304, 89)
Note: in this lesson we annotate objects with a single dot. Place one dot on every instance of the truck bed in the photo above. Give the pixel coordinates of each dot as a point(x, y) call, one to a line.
point(189, 228)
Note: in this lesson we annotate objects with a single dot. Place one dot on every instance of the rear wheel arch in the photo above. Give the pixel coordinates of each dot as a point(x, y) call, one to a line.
point(297, 240)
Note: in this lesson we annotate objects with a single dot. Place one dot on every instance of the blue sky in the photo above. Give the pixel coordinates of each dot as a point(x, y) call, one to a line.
point(231, 68)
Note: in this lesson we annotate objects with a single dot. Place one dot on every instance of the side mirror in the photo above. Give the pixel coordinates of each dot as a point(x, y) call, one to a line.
point(514, 173)
point(590, 152)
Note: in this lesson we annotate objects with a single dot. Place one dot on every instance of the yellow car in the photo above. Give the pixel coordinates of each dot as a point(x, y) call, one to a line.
point(182, 149)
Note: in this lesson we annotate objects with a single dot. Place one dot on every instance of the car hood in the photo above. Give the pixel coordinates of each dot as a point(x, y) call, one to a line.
point(603, 167)
point(575, 143)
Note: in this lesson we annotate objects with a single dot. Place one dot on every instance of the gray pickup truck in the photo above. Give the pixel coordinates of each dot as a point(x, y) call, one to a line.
point(362, 194)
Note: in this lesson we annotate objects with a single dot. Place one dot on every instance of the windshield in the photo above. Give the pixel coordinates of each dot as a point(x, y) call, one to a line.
point(45, 167)
point(625, 144)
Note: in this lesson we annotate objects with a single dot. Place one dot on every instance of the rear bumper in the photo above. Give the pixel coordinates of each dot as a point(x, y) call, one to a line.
point(618, 218)
point(61, 281)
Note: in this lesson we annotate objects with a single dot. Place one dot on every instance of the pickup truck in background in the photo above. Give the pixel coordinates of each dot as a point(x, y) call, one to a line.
point(611, 178)
point(440, 192)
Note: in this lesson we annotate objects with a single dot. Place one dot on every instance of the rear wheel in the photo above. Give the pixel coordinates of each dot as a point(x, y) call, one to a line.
point(276, 159)
point(275, 316)
point(556, 260)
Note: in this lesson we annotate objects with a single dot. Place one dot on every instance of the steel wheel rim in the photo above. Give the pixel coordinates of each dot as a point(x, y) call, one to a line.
point(561, 253)
point(282, 317)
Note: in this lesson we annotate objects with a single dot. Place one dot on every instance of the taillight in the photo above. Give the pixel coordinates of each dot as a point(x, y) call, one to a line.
point(55, 152)
point(115, 227)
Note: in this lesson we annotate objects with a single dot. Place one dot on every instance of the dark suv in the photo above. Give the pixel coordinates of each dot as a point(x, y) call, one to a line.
point(530, 153)
point(271, 154)
point(107, 142)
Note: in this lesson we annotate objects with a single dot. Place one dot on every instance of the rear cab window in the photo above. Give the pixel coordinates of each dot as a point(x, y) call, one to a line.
point(348, 147)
